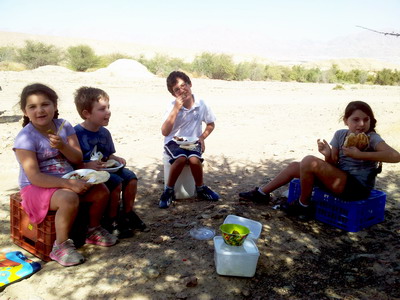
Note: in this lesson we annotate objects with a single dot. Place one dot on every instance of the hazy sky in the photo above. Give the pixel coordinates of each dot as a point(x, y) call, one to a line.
point(170, 21)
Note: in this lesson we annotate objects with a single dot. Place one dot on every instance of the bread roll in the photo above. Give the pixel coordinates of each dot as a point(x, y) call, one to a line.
point(359, 140)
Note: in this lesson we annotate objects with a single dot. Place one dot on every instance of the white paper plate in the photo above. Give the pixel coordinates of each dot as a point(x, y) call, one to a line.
point(187, 140)
point(113, 169)
point(84, 172)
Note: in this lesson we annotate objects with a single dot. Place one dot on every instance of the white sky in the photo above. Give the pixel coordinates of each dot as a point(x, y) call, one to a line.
point(169, 21)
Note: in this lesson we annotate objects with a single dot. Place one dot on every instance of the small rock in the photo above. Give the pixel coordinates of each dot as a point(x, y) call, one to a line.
point(190, 281)
point(151, 272)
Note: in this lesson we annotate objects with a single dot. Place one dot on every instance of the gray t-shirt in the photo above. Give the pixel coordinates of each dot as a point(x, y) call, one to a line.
point(363, 170)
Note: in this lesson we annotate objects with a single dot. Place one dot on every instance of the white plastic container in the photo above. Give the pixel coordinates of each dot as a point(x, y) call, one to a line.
point(235, 261)
point(184, 186)
point(254, 226)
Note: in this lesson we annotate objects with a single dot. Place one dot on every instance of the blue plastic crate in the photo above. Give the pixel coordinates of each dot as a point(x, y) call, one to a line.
point(350, 216)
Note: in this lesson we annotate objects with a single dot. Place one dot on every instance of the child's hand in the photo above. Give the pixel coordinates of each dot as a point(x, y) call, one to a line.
point(202, 144)
point(79, 186)
point(324, 148)
point(351, 151)
point(56, 141)
point(179, 101)
point(121, 160)
point(94, 165)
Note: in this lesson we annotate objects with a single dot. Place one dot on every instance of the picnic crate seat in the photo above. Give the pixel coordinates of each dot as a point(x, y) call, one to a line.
point(37, 239)
point(351, 216)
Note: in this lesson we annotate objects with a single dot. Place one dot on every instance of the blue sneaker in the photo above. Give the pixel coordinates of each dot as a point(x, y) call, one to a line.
point(205, 193)
point(167, 197)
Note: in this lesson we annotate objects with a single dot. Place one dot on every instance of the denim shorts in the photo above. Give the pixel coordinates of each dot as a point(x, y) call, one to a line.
point(123, 175)
point(173, 150)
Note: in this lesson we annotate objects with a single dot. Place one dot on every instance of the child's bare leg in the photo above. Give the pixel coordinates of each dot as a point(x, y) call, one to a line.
point(197, 170)
point(66, 203)
point(284, 177)
point(176, 170)
point(114, 202)
point(98, 196)
point(312, 167)
point(129, 195)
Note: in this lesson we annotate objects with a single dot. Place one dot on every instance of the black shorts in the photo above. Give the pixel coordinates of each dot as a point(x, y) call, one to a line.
point(354, 190)
point(173, 150)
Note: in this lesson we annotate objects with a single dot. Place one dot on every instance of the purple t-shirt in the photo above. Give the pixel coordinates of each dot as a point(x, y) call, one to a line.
point(50, 160)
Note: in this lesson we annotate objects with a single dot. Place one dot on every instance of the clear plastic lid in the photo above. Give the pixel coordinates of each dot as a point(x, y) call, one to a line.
point(202, 233)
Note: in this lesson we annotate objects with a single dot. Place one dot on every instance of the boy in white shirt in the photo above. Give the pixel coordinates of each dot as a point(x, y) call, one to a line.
point(184, 118)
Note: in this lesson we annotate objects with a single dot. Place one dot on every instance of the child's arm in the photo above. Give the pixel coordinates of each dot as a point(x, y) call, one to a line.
point(71, 150)
point(168, 124)
point(330, 154)
point(30, 165)
point(118, 159)
point(383, 152)
point(207, 131)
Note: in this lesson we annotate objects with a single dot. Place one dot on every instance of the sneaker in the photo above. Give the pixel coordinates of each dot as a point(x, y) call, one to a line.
point(113, 228)
point(65, 254)
point(167, 197)
point(296, 209)
point(135, 222)
point(205, 193)
point(124, 228)
point(255, 196)
point(100, 237)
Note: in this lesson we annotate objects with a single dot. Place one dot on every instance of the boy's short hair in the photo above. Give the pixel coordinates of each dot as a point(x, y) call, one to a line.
point(85, 97)
point(173, 79)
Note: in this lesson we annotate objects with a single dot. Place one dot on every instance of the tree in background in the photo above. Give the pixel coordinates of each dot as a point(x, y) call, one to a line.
point(81, 58)
point(37, 54)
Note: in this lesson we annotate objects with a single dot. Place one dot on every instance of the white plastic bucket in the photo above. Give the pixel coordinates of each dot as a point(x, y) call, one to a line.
point(184, 186)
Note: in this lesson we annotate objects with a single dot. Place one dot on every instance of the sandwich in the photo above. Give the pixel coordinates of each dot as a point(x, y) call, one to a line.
point(359, 140)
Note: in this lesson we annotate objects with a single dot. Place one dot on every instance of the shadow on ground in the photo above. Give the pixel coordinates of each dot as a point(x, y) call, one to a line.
point(298, 260)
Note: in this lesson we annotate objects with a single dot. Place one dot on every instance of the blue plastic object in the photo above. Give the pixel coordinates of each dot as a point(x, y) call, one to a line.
point(350, 216)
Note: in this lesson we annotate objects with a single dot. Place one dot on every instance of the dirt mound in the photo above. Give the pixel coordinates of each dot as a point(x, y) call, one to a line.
point(125, 68)
point(53, 69)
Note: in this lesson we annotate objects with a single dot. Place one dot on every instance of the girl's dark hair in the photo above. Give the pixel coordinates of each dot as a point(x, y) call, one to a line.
point(365, 108)
point(173, 78)
point(37, 89)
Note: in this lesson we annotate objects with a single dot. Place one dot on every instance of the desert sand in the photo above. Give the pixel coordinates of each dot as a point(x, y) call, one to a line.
point(260, 127)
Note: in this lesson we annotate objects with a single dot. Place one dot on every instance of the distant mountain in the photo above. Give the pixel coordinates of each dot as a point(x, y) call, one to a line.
point(365, 48)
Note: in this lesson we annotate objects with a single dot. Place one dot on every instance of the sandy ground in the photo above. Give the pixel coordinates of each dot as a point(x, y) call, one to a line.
point(261, 126)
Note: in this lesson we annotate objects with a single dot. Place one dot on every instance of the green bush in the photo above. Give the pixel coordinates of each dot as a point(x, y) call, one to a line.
point(8, 54)
point(279, 73)
point(162, 65)
point(37, 54)
point(250, 71)
point(338, 87)
point(214, 66)
point(82, 57)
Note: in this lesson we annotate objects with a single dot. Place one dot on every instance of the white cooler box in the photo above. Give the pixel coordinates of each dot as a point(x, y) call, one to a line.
point(238, 260)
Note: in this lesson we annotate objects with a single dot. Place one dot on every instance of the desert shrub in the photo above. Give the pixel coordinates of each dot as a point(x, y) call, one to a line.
point(279, 73)
point(215, 66)
point(36, 54)
point(7, 54)
point(162, 65)
point(81, 58)
point(298, 74)
point(314, 75)
point(250, 71)
point(387, 77)
point(105, 60)
point(12, 66)
point(338, 87)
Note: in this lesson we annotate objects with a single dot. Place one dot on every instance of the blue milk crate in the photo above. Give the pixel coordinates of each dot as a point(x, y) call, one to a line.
point(350, 216)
